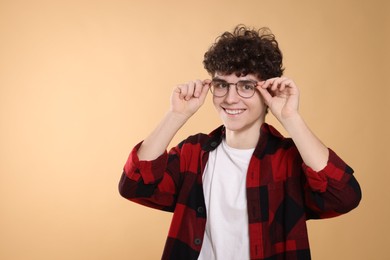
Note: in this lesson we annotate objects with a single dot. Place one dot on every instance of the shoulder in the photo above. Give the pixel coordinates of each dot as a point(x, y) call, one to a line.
point(204, 141)
point(272, 142)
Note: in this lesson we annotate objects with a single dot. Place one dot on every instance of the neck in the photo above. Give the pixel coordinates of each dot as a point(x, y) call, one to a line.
point(243, 139)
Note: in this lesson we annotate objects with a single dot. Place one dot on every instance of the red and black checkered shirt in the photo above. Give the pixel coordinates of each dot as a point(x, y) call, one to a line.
point(282, 193)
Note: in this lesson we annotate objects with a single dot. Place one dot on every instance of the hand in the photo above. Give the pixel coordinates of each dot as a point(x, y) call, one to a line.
point(187, 98)
point(281, 95)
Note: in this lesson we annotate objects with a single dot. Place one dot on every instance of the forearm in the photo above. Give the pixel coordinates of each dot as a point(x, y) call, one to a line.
point(157, 142)
point(313, 152)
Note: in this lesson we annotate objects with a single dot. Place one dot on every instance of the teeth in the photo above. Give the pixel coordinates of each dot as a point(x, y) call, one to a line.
point(234, 111)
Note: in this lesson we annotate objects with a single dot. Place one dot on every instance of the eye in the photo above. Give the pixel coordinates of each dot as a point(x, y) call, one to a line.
point(220, 84)
point(247, 85)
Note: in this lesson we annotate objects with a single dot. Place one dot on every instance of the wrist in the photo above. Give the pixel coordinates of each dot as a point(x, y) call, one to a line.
point(290, 119)
point(176, 117)
point(293, 123)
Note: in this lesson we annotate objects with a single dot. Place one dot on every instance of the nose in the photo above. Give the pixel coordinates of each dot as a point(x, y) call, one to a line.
point(232, 95)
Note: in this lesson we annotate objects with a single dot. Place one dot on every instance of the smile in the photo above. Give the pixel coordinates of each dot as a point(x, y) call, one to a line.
point(234, 111)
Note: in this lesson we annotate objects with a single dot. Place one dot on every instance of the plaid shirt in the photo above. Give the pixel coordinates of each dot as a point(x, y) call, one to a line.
point(282, 193)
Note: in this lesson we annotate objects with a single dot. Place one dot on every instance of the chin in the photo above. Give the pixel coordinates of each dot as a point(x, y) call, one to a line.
point(241, 126)
point(234, 127)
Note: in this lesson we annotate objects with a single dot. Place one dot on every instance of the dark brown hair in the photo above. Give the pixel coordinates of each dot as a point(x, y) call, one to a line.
point(245, 51)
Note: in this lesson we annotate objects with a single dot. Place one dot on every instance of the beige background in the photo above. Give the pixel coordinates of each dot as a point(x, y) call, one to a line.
point(82, 81)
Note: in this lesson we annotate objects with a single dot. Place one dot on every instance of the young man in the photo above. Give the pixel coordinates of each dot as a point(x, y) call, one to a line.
point(243, 191)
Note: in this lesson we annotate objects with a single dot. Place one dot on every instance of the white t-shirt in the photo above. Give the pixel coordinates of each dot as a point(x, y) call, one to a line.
point(224, 185)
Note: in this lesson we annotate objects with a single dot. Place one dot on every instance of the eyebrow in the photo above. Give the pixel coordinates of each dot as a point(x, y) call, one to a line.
point(242, 80)
point(218, 79)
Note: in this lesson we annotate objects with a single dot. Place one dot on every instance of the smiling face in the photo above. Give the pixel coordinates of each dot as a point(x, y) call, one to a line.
point(238, 114)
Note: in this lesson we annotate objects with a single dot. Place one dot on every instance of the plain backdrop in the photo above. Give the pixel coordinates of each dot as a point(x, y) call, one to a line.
point(81, 82)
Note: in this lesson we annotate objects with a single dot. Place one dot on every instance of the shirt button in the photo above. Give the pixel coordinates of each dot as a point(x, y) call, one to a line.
point(200, 210)
point(197, 241)
point(214, 144)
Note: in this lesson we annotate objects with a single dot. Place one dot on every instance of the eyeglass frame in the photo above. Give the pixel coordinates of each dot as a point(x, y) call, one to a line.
point(235, 84)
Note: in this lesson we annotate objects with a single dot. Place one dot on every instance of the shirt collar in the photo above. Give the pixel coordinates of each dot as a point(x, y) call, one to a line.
point(215, 137)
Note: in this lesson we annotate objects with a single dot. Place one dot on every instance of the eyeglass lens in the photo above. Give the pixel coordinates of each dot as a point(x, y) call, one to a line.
point(244, 88)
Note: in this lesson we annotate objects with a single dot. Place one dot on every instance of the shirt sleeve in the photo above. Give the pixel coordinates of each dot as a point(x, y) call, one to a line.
point(150, 171)
point(331, 191)
point(150, 183)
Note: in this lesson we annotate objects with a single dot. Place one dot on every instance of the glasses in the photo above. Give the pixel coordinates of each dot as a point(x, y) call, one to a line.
point(244, 88)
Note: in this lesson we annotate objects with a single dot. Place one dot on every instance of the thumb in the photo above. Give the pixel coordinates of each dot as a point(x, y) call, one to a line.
point(205, 88)
point(266, 95)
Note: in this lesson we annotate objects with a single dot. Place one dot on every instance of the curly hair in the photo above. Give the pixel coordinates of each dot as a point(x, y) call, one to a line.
point(245, 51)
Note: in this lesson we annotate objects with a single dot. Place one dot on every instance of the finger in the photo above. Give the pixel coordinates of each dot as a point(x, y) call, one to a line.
point(190, 90)
point(260, 84)
point(182, 90)
point(265, 84)
point(266, 95)
point(285, 82)
point(276, 84)
point(288, 85)
point(203, 93)
point(264, 89)
point(206, 82)
point(269, 83)
point(280, 84)
point(198, 88)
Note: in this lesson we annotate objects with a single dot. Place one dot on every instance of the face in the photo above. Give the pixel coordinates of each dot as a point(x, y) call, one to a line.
point(237, 113)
